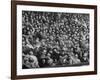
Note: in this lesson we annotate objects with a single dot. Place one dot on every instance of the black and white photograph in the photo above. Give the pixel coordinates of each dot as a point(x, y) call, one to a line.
point(55, 39)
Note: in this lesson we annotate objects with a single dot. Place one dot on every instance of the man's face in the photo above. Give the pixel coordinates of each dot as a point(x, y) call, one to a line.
point(31, 53)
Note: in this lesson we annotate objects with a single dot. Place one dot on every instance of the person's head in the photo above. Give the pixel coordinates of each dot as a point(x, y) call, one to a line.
point(43, 61)
point(26, 59)
point(24, 30)
point(76, 55)
point(37, 39)
point(23, 38)
point(48, 55)
point(28, 28)
point(50, 51)
point(29, 32)
point(64, 61)
point(31, 59)
point(55, 49)
point(50, 61)
point(23, 43)
point(31, 53)
point(44, 51)
point(62, 52)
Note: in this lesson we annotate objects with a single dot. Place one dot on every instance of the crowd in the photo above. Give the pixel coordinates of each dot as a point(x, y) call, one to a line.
point(54, 39)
